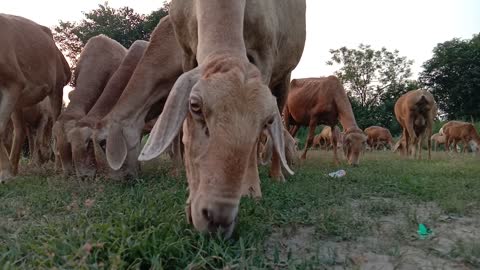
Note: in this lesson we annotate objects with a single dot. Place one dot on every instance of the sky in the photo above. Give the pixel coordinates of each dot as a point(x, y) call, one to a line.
point(414, 27)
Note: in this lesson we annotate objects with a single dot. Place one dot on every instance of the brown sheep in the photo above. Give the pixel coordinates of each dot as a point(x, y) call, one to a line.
point(438, 139)
point(236, 55)
point(80, 136)
point(117, 137)
point(325, 138)
point(415, 111)
point(31, 68)
point(315, 101)
point(98, 61)
point(377, 136)
point(39, 131)
point(457, 131)
point(265, 149)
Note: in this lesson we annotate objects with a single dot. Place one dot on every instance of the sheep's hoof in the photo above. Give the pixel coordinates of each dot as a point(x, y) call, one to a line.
point(256, 195)
point(278, 178)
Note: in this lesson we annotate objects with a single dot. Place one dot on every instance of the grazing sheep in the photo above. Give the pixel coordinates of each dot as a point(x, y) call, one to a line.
point(265, 149)
point(377, 136)
point(236, 55)
point(458, 131)
point(31, 68)
point(117, 137)
point(315, 101)
point(325, 138)
point(415, 111)
point(98, 61)
point(80, 136)
point(438, 139)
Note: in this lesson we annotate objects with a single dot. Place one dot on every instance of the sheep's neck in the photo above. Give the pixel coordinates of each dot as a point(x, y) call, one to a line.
point(347, 119)
point(220, 28)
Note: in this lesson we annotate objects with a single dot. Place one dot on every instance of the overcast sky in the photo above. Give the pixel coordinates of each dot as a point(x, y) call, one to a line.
point(413, 27)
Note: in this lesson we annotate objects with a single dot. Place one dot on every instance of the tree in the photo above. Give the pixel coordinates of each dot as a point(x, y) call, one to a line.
point(367, 73)
point(123, 25)
point(453, 75)
point(374, 80)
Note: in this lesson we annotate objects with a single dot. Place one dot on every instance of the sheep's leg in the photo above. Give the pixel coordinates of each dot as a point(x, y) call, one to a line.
point(465, 145)
point(31, 144)
point(427, 137)
point(36, 142)
point(406, 150)
point(411, 138)
point(448, 141)
point(56, 103)
point(334, 144)
point(290, 129)
point(294, 130)
point(18, 139)
point(407, 143)
point(8, 101)
point(311, 133)
point(420, 146)
point(413, 148)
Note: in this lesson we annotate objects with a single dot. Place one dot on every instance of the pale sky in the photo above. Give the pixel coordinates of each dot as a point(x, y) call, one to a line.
point(413, 27)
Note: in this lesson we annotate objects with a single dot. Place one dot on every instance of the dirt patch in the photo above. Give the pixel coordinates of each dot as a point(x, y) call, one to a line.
point(392, 242)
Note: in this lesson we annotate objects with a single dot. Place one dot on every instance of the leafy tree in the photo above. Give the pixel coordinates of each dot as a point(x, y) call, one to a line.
point(123, 25)
point(453, 75)
point(374, 80)
point(368, 74)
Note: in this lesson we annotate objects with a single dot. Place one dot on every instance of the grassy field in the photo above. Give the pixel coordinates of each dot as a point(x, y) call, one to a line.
point(366, 219)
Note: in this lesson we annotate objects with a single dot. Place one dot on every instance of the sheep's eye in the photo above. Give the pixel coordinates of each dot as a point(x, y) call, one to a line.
point(195, 105)
point(269, 122)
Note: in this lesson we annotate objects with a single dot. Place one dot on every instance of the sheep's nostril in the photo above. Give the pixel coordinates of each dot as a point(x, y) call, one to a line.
point(103, 145)
point(206, 214)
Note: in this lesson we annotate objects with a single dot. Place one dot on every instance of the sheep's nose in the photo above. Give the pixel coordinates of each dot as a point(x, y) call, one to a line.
point(218, 219)
point(221, 219)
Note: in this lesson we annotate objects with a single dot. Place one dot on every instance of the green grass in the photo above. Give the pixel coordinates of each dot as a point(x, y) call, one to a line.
point(50, 222)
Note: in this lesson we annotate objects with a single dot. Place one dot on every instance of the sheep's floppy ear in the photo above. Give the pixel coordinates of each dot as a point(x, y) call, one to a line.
point(116, 148)
point(276, 133)
point(171, 120)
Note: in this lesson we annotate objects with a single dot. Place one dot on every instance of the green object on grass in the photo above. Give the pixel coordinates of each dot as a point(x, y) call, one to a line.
point(423, 231)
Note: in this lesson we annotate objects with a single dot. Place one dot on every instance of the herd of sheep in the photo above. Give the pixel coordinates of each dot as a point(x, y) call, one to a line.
point(210, 88)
